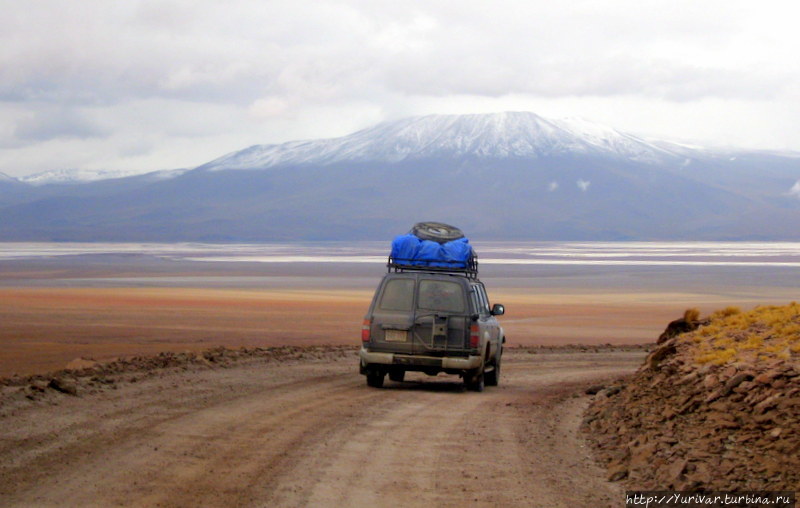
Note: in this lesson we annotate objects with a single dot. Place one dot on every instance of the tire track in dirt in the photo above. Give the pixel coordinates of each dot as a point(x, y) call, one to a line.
point(314, 434)
point(207, 453)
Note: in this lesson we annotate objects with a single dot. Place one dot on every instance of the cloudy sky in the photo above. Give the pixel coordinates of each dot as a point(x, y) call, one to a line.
point(147, 85)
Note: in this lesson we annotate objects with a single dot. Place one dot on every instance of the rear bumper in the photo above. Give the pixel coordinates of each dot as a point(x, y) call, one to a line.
point(420, 361)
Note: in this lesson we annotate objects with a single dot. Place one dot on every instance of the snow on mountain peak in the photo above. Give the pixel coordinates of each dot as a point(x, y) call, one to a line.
point(495, 135)
point(62, 176)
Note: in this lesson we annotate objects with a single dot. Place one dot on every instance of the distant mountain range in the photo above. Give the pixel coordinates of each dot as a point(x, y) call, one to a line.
point(497, 176)
point(68, 176)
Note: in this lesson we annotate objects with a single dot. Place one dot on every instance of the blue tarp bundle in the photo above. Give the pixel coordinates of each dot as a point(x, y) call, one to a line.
point(410, 250)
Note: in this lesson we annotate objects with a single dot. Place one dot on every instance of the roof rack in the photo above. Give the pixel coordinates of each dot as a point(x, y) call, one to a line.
point(469, 269)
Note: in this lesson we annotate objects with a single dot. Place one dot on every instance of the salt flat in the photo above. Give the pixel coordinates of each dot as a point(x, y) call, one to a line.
point(102, 305)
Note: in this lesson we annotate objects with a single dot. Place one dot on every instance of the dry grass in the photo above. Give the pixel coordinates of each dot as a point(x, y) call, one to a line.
point(763, 333)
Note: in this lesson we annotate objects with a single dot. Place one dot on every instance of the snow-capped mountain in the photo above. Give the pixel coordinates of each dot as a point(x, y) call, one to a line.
point(68, 176)
point(514, 135)
point(78, 176)
point(498, 176)
point(5, 178)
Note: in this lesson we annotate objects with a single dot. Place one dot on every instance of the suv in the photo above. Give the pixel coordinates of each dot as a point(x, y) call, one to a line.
point(432, 320)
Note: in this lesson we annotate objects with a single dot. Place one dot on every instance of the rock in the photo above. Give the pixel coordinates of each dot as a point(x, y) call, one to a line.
point(735, 381)
point(666, 349)
point(675, 471)
point(769, 416)
point(64, 386)
point(617, 472)
point(670, 440)
point(722, 421)
point(767, 403)
point(729, 372)
point(688, 323)
point(786, 403)
point(688, 406)
point(592, 390)
point(642, 455)
point(722, 406)
point(766, 377)
point(81, 363)
point(711, 381)
point(772, 467)
point(700, 475)
point(745, 387)
point(691, 377)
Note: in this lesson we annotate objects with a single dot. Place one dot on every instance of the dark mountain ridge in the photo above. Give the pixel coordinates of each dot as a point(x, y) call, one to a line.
point(502, 176)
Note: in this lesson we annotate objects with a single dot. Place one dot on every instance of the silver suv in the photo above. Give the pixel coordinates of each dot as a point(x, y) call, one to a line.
point(432, 320)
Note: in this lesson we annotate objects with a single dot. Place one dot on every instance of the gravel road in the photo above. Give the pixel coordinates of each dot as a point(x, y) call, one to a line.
point(311, 433)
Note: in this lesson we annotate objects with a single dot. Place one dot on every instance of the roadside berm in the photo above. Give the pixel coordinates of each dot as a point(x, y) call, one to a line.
point(715, 406)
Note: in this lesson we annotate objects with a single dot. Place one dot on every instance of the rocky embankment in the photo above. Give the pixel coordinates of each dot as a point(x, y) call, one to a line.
point(85, 376)
point(716, 406)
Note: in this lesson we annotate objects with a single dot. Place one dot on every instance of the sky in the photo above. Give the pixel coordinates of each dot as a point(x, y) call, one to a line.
point(149, 85)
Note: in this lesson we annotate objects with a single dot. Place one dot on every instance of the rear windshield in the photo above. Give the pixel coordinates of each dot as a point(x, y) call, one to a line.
point(441, 295)
point(398, 294)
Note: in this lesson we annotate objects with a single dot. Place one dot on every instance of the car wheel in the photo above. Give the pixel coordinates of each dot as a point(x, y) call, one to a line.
point(397, 376)
point(375, 378)
point(493, 376)
point(436, 231)
point(475, 381)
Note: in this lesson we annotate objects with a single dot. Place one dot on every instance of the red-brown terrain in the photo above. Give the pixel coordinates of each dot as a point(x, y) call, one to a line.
point(714, 408)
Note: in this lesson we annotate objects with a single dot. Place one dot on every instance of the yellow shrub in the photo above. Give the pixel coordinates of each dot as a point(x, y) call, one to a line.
point(763, 333)
point(727, 311)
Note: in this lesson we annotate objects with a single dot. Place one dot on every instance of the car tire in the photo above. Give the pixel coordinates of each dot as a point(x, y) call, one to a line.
point(475, 381)
point(436, 232)
point(397, 376)
point(375, 378)
point(493, 376)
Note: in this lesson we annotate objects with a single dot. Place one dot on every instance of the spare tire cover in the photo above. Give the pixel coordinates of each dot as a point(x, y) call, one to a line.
point(436, 231)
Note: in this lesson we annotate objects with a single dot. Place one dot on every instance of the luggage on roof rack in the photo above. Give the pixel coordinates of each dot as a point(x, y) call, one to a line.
point(410, 252)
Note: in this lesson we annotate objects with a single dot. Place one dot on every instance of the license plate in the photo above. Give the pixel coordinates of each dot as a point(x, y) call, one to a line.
point(396, 336)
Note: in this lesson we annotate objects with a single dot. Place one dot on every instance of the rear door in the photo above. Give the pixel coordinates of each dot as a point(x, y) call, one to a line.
point(441, 319)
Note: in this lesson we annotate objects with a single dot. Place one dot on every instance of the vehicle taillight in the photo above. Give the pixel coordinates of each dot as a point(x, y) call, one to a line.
point(474, 336)
point(365, 326)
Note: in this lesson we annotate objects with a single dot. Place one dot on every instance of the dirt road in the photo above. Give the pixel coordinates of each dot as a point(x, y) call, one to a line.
point(312, 433)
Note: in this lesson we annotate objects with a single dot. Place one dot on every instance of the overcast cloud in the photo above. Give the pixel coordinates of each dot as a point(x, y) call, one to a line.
point(152, 85)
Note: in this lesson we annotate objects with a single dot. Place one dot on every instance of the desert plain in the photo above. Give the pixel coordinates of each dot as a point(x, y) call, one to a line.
point(297, 426)
point(56, 311)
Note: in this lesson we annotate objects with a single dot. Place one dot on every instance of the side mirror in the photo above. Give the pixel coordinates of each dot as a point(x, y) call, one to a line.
point(498, 309)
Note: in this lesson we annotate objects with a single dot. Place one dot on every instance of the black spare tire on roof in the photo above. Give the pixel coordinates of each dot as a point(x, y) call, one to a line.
point(436, 231)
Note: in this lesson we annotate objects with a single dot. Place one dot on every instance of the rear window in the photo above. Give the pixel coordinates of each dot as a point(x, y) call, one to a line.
point(441, 295)
point(398, 294)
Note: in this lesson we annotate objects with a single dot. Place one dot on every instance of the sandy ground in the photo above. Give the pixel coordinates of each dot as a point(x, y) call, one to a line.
point(309, 432)
point(45, 328)
point(54, 310)
point(312, 433)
